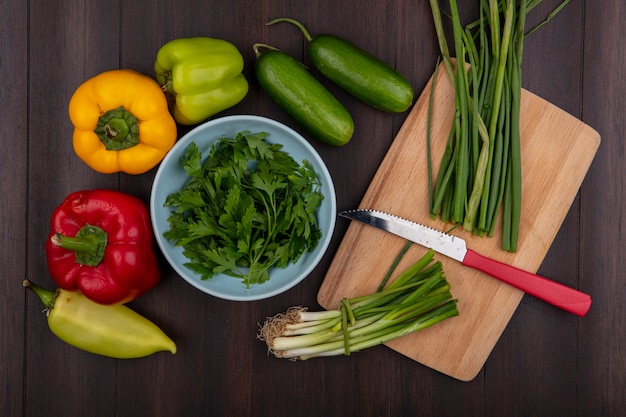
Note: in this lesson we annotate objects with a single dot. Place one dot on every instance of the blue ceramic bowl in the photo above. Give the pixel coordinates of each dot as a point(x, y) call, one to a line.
point(171, 177)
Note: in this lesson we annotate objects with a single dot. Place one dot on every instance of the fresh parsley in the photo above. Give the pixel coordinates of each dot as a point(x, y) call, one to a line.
point(248, 208)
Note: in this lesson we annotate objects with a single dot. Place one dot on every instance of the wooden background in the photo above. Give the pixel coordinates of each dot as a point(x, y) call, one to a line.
point(547, 362)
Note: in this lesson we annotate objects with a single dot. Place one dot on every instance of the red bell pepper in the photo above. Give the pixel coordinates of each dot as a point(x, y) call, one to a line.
point(101, 243)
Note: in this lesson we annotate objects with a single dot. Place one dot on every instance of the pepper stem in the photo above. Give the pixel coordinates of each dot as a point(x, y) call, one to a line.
point(88, 244)
point(118, 129)
point(47, 297)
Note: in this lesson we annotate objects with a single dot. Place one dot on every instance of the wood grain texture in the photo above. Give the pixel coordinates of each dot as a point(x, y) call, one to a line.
point(603, 229)
point(460, 346)
point(545, 363)
point(14, 204)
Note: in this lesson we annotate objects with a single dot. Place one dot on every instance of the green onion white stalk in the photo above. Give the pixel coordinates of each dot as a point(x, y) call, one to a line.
point(418, 298)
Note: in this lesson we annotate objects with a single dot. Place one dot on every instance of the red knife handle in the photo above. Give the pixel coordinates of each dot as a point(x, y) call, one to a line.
point(552, 292)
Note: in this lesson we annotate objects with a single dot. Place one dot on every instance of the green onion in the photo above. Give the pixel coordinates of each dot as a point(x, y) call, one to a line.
point(480, 171)
point(418, 298)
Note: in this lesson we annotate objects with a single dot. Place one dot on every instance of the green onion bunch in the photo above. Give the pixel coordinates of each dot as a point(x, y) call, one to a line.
point(480, 173)
point(418, 298)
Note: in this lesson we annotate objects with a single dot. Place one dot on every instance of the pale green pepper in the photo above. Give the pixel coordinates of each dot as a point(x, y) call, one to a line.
point(201, 77)
point(108, 330)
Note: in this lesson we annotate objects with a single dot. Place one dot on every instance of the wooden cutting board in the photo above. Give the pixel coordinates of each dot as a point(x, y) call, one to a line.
point(557, 150)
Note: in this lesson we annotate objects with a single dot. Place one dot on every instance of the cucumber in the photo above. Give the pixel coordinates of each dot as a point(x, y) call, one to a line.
point(361, 74)
point(302, 96)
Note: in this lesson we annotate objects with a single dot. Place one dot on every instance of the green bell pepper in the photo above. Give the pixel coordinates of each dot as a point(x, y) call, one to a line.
point(201, 77)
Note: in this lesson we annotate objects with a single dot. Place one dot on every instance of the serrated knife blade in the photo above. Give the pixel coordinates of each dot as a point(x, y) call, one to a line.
point(559, 295)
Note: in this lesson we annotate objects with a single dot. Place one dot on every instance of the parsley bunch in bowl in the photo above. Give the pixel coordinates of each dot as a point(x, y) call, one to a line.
point(247, 208)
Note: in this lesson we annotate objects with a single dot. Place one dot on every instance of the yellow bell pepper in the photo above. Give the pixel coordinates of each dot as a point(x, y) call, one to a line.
point(121, 122)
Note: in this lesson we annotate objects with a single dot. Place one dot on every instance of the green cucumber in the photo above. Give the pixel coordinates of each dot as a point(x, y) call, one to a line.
point(302, 96)
point(361, 74)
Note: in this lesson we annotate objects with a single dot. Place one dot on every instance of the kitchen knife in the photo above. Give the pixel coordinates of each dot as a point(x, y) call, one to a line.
point(559, 295)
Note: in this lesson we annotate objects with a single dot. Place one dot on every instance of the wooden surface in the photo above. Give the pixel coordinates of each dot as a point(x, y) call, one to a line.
point(460, 346)
point(546, 362)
